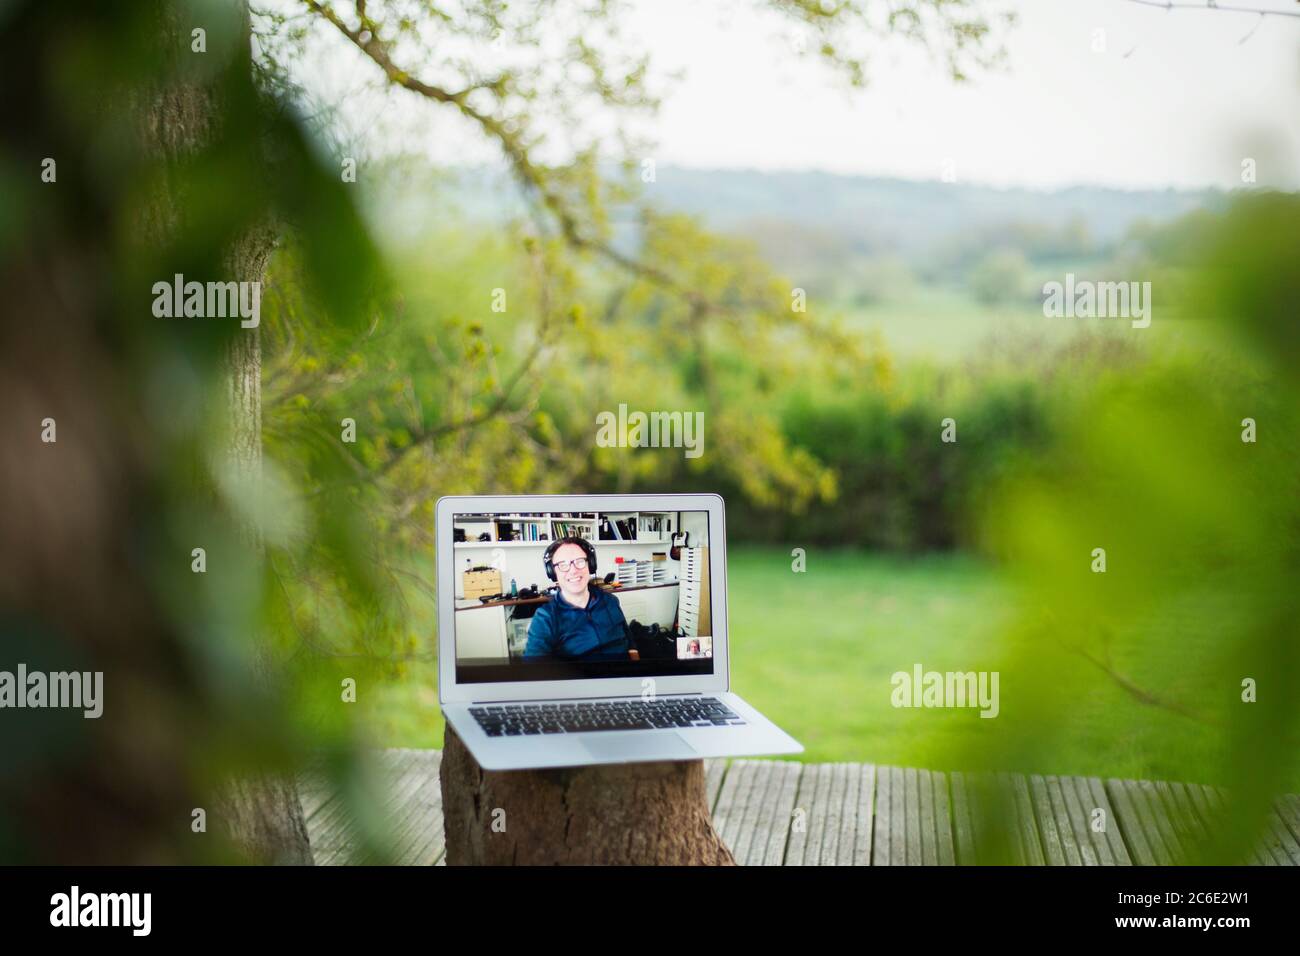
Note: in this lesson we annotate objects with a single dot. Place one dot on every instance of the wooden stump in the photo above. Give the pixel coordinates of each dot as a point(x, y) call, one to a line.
point(644, 813)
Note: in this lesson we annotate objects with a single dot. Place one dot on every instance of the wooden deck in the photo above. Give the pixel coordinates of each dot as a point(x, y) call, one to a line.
point(782, 813)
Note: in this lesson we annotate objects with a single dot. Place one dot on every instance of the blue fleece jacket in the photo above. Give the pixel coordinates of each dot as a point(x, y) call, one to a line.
point(597, 632)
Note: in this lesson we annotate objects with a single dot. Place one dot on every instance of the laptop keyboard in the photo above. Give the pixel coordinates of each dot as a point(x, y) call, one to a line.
point(580, 717)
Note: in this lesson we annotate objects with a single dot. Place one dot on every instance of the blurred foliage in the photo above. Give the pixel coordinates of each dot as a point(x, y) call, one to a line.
point(1198, 525)
point(169, 161)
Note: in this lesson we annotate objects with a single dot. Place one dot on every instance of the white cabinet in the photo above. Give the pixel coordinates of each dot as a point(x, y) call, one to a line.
point(696, 616)
point(649, 605)
point(481, 633)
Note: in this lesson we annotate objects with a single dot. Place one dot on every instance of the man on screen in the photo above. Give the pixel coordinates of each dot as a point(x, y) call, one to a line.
point(580, 621)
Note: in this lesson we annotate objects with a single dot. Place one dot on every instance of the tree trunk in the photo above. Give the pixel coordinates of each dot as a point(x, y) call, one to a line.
point(262, 815)
point(83, 512)
point(640, 814)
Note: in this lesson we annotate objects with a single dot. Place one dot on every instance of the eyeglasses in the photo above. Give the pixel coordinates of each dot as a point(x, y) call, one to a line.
point(579, 563)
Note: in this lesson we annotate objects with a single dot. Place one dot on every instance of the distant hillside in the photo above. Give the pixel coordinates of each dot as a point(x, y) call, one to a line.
point(820, 226)
point(903, 216)
point(933, 267)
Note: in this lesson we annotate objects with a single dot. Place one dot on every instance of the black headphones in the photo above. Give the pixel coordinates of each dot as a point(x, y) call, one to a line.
point(551, 548)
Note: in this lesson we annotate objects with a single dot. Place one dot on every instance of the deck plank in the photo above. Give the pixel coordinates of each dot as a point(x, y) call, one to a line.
point(897, 817)
point(1074, 817)
point(773, 812)
point(1280, 840)
point(757, 812)
point(1031, 849)
point(882, 821)
point(942, 818)
point(963, 822)
point(419, 836)
point(1197, 836)
point(810, 807)
point(1158, 826)
point(714, 772)
point(333, 834)
point(912, 817)
point(782, 815)
point(860, 811)
point(1139, 826)
point(1109, 843)
point(929, 844)
point(1207, 810)
point(330, 826)
point(1179, 851)
point(936, 846)
point(1212, 805)
point(1127, 821)
point(1065, 808)
point(314, 793)
point(994, 819)
point(408, 778)
point(1191, 839)
point(762, 774)
point(1288, 808)
point(730, 811)
point(414, 815)
point(1278, 845)
point(837, 801)
point(836, 785)
point(1215, 802)
point(1053, 845)
point(912, 812)
point(767, 817)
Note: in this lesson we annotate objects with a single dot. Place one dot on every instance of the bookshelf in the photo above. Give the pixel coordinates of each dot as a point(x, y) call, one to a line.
point(532, 530)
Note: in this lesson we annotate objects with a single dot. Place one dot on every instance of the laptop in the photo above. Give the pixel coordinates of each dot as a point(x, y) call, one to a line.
point(590, 629)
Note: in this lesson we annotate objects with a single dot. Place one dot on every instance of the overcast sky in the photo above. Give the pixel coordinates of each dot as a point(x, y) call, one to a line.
point(1175, 100)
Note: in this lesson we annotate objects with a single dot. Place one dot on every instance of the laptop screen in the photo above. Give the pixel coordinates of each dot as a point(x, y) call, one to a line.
point(571, 595)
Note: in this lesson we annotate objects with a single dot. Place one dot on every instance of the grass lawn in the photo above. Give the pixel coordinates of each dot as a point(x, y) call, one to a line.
point(949, 326)
point(815, 651)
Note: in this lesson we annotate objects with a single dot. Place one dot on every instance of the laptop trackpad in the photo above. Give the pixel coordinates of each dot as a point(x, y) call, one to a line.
point(638, 745)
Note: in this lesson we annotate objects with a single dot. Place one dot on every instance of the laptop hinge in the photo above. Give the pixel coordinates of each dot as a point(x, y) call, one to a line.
point(548, 700)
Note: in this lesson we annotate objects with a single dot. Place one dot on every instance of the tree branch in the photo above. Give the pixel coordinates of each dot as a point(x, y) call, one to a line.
point(365, 36)
point(1213, 5)
point(1140, 694)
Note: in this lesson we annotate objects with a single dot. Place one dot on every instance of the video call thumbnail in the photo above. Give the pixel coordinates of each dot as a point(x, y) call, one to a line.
point(562, 595)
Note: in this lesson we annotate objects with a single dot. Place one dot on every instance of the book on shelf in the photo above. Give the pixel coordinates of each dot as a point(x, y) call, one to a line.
point(568, 529)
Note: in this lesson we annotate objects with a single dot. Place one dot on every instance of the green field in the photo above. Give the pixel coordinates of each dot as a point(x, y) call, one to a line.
point(948, 325)
point(815, 651)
